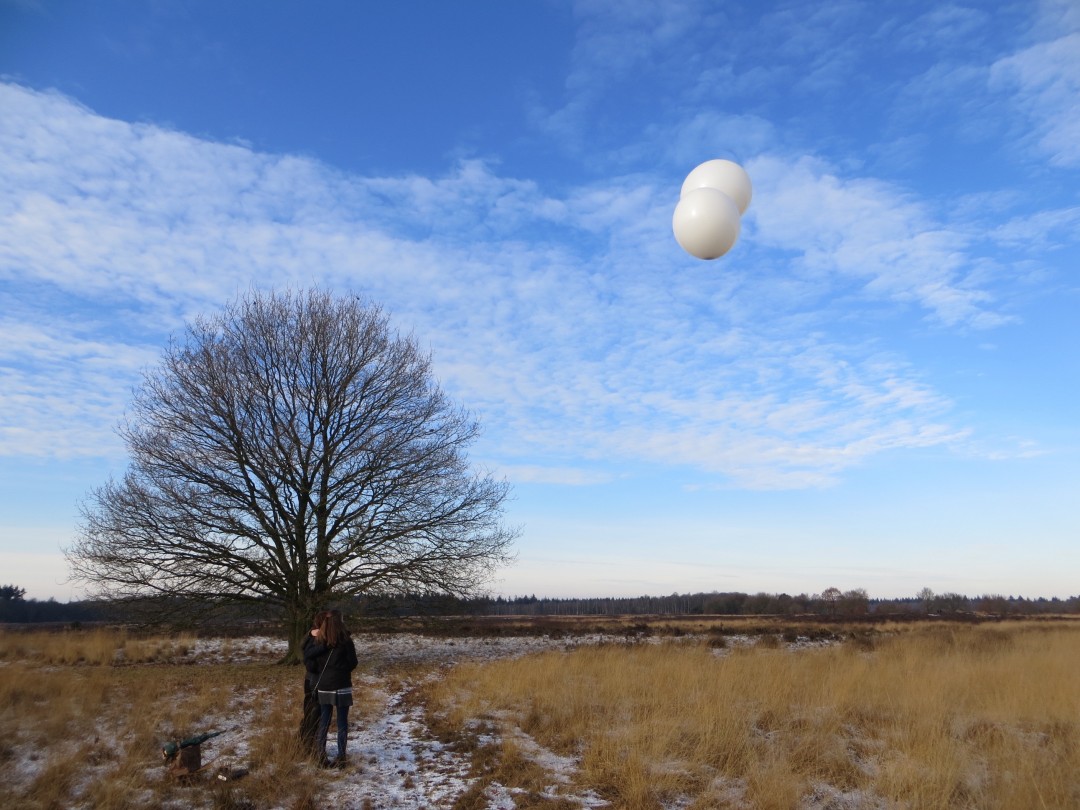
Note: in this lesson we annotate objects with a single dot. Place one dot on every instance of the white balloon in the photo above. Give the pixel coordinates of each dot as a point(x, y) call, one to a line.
point(706, 223)
point(723, 175)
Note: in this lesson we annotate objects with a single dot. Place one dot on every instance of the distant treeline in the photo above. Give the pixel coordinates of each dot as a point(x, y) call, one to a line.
point(16, 609)
point(828, 603)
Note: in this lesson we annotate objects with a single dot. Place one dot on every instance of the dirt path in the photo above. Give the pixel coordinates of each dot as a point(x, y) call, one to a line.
point(395, 760)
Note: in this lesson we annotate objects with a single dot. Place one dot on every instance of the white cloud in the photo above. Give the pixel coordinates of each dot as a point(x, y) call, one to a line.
point(943, 26)
point(1046, 81)
point(1052, 229)
point(58, 390)
point(566, 476)
point(869, 232)
point(571, 323)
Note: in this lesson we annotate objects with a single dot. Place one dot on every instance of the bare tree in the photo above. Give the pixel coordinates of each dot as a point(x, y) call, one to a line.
point(831, 598)
point(855, 602)
point(289, 451)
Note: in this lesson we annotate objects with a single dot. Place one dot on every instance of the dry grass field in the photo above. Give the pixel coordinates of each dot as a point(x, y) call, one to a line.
point(83, 717)
point(934, 717)
point(637, 715)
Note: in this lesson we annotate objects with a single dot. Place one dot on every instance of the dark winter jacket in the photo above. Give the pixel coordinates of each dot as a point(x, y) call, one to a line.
point(329, 667)
point(309, 677)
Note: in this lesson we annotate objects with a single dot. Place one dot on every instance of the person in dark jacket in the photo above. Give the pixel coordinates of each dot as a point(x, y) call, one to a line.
point(331, 658)
point(309, 723)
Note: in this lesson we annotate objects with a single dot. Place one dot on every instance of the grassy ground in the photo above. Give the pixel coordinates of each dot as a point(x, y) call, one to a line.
point(949, 716)
point(83, 717)
point(665, 714)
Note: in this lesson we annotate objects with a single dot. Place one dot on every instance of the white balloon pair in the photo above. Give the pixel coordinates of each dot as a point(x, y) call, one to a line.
point(713, 199)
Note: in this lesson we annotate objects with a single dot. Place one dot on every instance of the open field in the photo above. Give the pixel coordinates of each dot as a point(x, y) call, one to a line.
point(743, 713)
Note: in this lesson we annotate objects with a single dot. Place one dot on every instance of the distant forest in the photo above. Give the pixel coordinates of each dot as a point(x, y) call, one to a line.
point(16, 609)
point(831, 602)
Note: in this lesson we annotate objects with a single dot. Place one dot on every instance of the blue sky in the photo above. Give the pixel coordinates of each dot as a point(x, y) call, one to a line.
point(875, 388)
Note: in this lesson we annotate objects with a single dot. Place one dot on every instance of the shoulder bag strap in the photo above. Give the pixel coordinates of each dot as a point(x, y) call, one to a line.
point(324, 666)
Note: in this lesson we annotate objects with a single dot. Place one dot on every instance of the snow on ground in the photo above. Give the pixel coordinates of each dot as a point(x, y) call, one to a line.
point(394, 760)
point(378, 652)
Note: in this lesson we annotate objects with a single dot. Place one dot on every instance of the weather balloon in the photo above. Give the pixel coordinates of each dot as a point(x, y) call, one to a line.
point(725, 176)
point(712, 200)
point(706, 223)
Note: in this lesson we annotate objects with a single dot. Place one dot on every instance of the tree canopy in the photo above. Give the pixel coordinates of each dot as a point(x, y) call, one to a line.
point(293, 449)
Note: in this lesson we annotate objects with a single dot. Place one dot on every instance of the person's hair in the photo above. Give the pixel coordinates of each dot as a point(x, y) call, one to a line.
point(319, 617)
point(333, 630)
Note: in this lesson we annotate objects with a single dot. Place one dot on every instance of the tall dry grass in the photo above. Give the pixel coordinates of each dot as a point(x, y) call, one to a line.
point(947, 717)
point(104, 646)
point(78, 730)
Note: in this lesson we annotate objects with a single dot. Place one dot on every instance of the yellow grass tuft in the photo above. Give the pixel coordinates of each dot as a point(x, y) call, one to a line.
point(99, 647)
point(915, 717)
point(84, 734)
point(945, 717)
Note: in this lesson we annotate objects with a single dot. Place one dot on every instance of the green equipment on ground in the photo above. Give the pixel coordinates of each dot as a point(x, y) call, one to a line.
point(171, 749)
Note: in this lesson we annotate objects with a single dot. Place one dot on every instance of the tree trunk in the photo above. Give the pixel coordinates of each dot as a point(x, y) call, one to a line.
point(298, 623)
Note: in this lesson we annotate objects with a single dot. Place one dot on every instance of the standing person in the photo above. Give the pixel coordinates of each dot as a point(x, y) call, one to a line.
point(332, 656)
point(309, 723)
